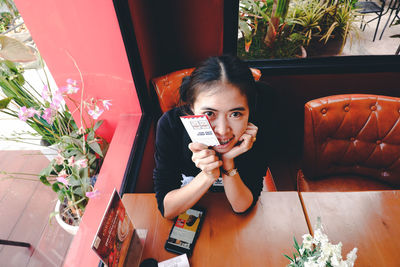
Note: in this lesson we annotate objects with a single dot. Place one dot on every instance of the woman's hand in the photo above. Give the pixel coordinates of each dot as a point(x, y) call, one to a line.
point(247, 140)
point(206, 160)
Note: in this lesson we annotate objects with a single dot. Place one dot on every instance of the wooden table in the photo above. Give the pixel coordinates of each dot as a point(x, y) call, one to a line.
point(258, 238)
point(369, 221)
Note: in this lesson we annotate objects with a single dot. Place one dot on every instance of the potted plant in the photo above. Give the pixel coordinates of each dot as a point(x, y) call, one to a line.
point(282, 29)
point(79, 151)
point(264, 32)
point(326, 25)
point(73, 172)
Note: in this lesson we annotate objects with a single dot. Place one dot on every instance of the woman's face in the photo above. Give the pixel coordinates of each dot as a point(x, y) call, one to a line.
point(228, 112)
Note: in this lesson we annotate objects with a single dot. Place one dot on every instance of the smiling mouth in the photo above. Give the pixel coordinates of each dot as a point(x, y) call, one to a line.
point(225, 141)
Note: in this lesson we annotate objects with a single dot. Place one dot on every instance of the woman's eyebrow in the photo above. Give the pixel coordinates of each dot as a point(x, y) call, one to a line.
point(233, 109)
point(238, 109)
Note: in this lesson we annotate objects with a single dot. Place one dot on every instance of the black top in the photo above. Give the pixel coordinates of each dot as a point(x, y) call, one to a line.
point(173, 158)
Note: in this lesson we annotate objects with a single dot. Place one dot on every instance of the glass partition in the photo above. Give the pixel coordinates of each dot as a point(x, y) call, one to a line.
point(291, 29)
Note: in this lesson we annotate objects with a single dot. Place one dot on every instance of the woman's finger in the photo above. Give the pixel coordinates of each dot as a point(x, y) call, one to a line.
point(201, 163)
point(252, 127)
point(195, 147)
point(247, 141)
point(202, 154)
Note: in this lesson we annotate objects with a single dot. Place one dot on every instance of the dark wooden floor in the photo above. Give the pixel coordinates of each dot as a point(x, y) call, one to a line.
point(25, 206)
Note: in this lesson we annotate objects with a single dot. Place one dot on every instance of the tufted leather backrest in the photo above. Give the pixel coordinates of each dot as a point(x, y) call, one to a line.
point(353, 134)
point(167, 87)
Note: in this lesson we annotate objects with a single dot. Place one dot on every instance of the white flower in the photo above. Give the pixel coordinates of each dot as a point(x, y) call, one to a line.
point(107, 104)
point(351, 257)
point(317, 251)
point(319, 236)
point(307, 241)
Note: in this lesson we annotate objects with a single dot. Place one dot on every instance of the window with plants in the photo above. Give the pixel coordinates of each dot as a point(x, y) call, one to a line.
point(279, 29)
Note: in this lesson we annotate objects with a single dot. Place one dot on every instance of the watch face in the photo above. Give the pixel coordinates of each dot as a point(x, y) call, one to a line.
point(231, 172)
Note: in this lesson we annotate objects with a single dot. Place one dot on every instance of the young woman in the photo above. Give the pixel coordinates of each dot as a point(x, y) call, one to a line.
point(224, 89)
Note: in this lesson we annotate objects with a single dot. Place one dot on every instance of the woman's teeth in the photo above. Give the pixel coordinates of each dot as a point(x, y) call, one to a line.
point(223, 142)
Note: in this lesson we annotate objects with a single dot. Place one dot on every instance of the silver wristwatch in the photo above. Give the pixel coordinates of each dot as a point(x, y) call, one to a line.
point(231, 172)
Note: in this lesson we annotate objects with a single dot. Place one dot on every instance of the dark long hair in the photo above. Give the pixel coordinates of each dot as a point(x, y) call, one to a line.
point(228, 69)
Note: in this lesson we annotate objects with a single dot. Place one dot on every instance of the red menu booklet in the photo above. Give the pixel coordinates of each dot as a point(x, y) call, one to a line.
point(116, 235)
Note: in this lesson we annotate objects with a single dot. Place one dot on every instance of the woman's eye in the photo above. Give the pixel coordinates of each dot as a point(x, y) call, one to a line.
point(208, 113)
point(236, 114)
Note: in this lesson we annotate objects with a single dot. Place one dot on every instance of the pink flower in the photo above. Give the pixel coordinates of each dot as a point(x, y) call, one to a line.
point(62, 179)
point(96, 112)
point(62, 173)
point(57, 100)
point(107, 104)
point(93, 194)
point(59, 159)
point(48, 115)
point(72, 82)
point(23, 114)
point(32, 112)
point(70, 88)
point(81, 163)
point(26, 113)
point(71, 161)
point(46, 94)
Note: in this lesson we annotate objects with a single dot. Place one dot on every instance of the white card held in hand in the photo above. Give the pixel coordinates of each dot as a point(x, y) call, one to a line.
point(199, 130)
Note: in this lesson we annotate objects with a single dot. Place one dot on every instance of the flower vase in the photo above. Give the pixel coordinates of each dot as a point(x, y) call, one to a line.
point(71, 227)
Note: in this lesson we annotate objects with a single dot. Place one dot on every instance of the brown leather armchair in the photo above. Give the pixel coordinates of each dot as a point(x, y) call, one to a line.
point(167, 90)
point(351, 143)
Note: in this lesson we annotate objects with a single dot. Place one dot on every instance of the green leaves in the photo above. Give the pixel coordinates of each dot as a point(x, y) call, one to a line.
point(4, 102)
point(44, 180)
point(56, 186)
point(322, 20)
point(46, 171)
point(97, 125)
point(96, 148)
point(296, 245)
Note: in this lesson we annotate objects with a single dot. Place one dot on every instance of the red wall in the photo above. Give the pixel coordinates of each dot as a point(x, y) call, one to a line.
point(88, 31)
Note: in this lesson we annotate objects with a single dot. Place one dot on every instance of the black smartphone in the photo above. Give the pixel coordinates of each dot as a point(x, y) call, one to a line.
point(185, 231)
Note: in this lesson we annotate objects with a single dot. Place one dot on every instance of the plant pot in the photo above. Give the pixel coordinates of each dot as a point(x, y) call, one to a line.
point(318, 48)
point(72, 229)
